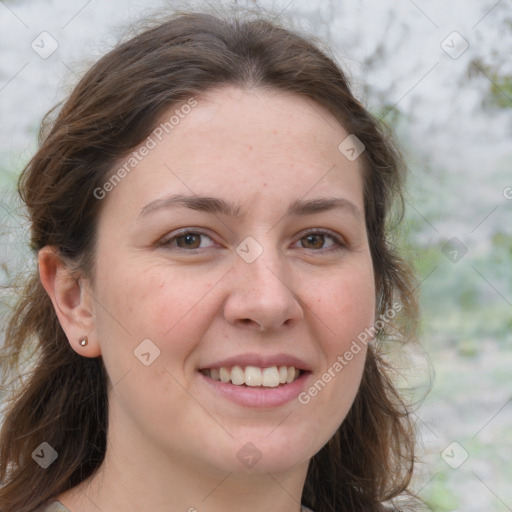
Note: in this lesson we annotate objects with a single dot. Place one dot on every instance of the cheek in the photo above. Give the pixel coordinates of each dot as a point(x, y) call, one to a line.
point(150, 297)
point(346, 304)
point(170, 307)
point(343, 307)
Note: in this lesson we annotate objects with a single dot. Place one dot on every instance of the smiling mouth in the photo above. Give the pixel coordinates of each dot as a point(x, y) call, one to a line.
point(254, 376)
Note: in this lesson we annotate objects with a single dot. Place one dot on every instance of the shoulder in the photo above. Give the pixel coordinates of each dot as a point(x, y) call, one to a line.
point(53, 506)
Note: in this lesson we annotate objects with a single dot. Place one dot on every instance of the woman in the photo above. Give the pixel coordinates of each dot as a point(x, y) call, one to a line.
point(210, 213)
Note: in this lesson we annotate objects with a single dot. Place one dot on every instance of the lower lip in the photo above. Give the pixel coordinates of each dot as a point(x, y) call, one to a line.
point(261, 397)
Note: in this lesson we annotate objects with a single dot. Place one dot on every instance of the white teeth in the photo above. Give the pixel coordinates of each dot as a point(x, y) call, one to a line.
point(224, 374)
point(283, 374)
point(270, 377)
point(237, 375)
point(253, 376)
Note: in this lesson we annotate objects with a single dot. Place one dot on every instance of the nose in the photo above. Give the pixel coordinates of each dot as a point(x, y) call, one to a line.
point(262, 296)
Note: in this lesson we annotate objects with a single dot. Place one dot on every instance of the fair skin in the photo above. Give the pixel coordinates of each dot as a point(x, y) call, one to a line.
point(174, 439)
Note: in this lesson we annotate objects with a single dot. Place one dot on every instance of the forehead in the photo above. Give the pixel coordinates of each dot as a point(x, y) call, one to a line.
point(229, 138)
point(287, 124)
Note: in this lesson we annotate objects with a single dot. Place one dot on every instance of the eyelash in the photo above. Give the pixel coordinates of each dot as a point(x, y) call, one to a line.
point(338, 243)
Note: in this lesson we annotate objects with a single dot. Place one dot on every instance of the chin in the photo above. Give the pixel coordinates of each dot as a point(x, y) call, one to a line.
point(261, 455)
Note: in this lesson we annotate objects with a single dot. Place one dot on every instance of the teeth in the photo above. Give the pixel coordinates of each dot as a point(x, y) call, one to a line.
point(224, 374)
point(270, 377)
point(237, 375)
point(255, 377)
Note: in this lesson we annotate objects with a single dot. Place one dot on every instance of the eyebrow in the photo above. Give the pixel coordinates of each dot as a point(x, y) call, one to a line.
point(300, 207)
point(204, 204)
point(220, 206)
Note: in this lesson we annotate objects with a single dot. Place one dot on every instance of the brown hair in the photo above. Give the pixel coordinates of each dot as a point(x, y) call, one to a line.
point(64, 399)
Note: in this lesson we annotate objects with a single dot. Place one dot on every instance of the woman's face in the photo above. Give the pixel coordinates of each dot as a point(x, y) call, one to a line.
point(235, 246)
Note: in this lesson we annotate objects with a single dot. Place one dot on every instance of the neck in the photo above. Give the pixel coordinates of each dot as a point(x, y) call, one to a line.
point(135, 476)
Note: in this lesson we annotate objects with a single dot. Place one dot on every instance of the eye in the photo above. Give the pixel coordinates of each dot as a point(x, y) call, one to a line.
point(320, 240)
point(187, 240)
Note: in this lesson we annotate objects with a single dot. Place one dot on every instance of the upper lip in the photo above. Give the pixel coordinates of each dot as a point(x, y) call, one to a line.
point(260, 361)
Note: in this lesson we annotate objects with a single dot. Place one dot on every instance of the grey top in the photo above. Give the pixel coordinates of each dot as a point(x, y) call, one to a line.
point(57, 506)
point(54, 506)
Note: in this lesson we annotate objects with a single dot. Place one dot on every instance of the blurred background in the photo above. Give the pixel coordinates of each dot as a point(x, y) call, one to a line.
point(440, 73)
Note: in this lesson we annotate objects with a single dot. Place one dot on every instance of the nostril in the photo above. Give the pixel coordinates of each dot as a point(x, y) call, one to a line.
point(249, 322)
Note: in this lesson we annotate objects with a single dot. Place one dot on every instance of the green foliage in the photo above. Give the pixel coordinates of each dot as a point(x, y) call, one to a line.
point(440, 497)
point(501, 91)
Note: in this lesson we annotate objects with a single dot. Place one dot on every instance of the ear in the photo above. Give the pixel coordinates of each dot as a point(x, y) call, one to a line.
point(72, 301)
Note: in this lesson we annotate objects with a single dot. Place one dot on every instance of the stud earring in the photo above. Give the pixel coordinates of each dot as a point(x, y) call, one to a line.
point(83, 341)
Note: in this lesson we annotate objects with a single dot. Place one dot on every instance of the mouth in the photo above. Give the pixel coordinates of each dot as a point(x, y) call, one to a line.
point(256, 380)
point(254, 376)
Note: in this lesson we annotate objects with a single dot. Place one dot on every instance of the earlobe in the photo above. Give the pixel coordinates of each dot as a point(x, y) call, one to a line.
point(72, 303)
